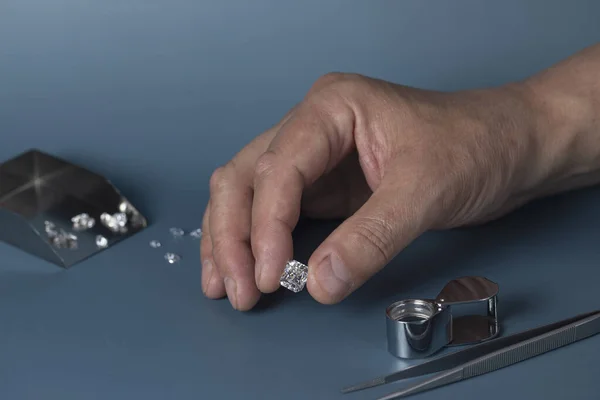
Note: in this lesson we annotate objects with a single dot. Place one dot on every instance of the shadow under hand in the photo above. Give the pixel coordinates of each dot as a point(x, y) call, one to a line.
point(427, 264)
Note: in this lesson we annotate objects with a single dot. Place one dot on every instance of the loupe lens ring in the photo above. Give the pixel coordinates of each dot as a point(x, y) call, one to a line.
point(417, 328)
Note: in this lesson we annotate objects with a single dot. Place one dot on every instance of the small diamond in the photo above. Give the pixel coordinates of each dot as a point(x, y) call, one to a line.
point(82, 222)
point(176, 232)
point(64, 240)
point(120, 219)
point(196, 233)
point(124, 207)
point(294, 276)
point(101, 241)
point(50, 229)
point(116, 222)
point(155, 244)
point(172, 258)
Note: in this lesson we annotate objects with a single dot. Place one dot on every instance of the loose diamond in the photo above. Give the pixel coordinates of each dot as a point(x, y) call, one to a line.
point(64, 240)
point(82, 222)
point(101, 241)
point(155, 244)
point(50, 229)
point(125, 207)
point(196, 233)
point(176, 232)
point(116, 222)
point(172, 258)
point(294, 276)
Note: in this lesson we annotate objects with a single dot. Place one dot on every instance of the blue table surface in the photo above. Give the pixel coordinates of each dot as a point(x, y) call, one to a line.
point(155, 95)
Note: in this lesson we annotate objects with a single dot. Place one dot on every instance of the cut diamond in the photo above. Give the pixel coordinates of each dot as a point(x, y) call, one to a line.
point(50, 229)
point(172, 258)
point(64, 240)
point(196, 233)
point(177, 232)
point(82, 222)
point(116, 222)
point(294, 276)
point(125, 207)
point(155, 244)
point(101, 241)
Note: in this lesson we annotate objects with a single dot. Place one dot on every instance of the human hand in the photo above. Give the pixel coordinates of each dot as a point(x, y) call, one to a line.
point(396, 161)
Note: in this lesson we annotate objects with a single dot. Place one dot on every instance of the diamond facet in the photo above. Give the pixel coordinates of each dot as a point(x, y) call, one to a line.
point(196, 233)
point(294, 276)
point(101, 241)
point(176, 232)
point(155, 244)
point(82, 222)
point(172, 258)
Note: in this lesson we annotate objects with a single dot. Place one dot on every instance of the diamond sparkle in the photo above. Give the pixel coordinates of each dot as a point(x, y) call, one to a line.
point(155, 244)
point(115, 222)
point(196, 233)
point(172, 258)
point(176, 232)
point(101, 241)
point(64, 240)
point(82, 222)
point(294, 276)
point(50, 229)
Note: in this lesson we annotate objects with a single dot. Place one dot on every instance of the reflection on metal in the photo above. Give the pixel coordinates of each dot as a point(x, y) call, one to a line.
point(56, 210)
point(419, 328)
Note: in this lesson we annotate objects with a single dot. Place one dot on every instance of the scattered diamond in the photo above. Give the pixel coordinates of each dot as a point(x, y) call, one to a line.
point(155, 244)
point(82, 222)
point(172, 258)
point(124, 207)
point(50, 229)
point(101, 241)
point(64, 240)
point(176, 232)
point(116, 222)
point(196, 233)
point(294, 276)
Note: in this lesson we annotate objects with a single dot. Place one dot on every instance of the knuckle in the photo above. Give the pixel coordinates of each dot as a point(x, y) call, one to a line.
point(334, 80)
point(265, 165)
point(377, 234)
point(218, 179)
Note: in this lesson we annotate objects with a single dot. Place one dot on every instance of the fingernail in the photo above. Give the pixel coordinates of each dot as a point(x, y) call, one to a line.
point(207, 272)
point(231, 288)
point(333, 276)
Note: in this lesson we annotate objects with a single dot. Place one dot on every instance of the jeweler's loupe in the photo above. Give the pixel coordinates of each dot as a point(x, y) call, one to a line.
point(418, 328)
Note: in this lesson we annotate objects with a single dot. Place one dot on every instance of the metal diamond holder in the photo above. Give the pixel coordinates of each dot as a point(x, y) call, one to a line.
point(58, 211)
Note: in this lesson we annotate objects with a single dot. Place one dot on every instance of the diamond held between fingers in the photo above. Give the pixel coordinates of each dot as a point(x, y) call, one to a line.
point(294, 276)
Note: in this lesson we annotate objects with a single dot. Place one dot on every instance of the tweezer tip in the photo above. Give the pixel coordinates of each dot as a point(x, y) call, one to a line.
point(364, 385)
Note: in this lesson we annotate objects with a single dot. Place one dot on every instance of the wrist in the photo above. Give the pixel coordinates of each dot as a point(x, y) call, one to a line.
point(564, 135)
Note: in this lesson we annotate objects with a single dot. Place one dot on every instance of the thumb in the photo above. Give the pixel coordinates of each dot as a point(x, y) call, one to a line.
point(360, 247)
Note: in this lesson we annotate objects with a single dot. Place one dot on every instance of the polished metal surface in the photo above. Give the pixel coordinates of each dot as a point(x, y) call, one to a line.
point(41, 197)
point(418, 328)
point(513, 347)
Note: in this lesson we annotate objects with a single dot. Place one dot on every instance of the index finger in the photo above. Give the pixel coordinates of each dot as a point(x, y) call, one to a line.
point(306, 147)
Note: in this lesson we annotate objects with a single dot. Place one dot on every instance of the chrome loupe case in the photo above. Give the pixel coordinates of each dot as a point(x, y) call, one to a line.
point(418, 328)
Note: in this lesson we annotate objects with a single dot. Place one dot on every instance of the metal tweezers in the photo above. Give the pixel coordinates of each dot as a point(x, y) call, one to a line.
point(490, 356)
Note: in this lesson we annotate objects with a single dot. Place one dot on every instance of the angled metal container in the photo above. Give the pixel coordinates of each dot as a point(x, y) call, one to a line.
point(61, 212)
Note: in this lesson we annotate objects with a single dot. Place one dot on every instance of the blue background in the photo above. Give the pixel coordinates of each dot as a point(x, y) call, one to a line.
point(155, 94)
